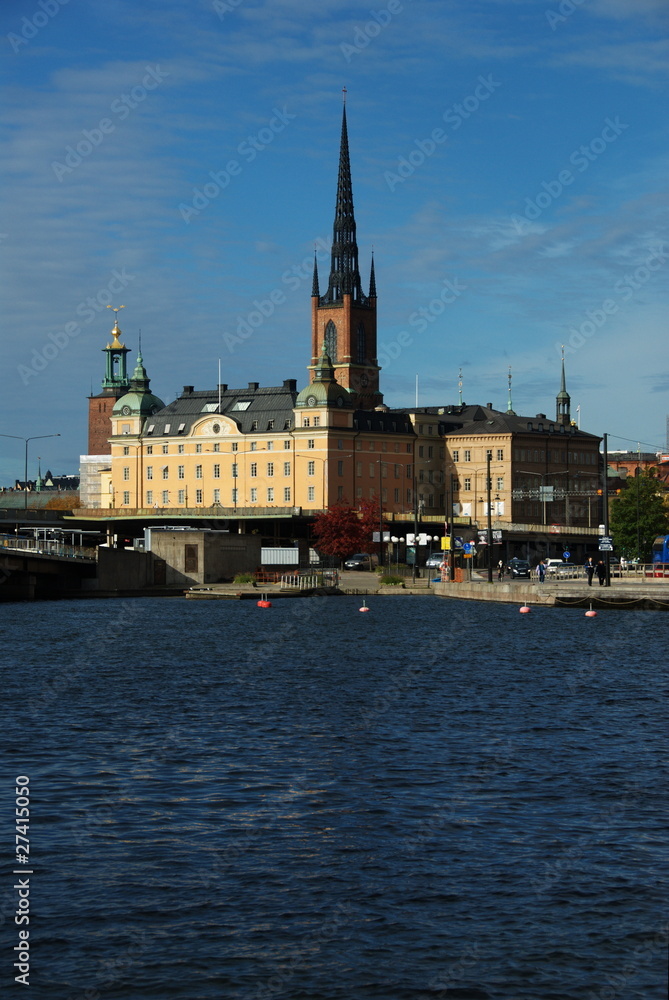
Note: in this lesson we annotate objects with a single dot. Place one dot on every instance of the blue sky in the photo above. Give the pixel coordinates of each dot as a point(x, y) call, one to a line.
point(509, 163)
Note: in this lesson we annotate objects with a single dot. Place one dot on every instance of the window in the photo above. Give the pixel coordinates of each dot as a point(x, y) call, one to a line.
point(500, 482)
point(286, 468)
point(358, 468)
point(384, 470)
point(468, 455)
point(166, 472)
point(180, 449)
point(340, 445)
point(181, 428)
point(358, 492)
point(340, 493)
point(126, 496)
point(166, 497)
point(421, 451)
point(340, 468)
point(125, 428)
point(398, 471)
point(235, 470)
point(430, 452)
point(149, 497)
point(254, 470)
point(181, 496)
point(311, 493)
point(330, 341)
point(397, 496)
point(317, 421)
point(270, 427)
point(306, 422)
point(467, 484)
point(149, 449)
point(126, 450)
point(286, 494)
point(500, 454)
point(217, 472)
point(149, 472)
point(372, 470)
point(287, 424)
point(166, 449)
point(408, 471)
point(311, 468)
point(181, 472)
point(150, 428)
point(217, 496)
point(217, 446)
point(235, 446)
point(126, 472)
point(198, 449)
point(286, 445)
point(235, 494)
point(311, 443)
point(384, 495)
point(254, 495)
point(167, 429)
point(409, 447)
point(209, 408)
point(270, 469)
point(456, 456)
point(254, 425)
point(270, 495)
point(270, 446)
point(254, 445)
point(242, 404)
point(198, 496)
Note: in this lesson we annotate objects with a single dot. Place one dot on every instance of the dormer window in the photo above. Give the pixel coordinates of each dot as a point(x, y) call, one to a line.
point(150, 428)
point(167, 429)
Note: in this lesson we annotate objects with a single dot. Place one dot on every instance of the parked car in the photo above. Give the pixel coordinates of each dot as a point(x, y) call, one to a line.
point(552, 566)
point(435, 560)
point(518, 567)
point(361, 560)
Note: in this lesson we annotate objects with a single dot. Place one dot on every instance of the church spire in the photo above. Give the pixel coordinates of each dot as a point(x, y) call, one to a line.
point(563, 399)
point(509, 409)
point(344, 271)
point(314, 284)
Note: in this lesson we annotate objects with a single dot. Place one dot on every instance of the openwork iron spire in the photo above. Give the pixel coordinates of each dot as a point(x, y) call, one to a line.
point(344, 271)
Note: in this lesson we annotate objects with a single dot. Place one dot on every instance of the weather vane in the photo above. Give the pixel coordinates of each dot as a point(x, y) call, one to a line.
point(344, 92)
point(116, 310)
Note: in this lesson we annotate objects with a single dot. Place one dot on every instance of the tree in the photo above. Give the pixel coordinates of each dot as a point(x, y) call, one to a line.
point(64, 501)
point(339, 531)
point(638, 515)
point(370, 518)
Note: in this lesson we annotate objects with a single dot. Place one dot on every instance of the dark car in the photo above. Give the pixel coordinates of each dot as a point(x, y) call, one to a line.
point(358, 561)
point(518, 568)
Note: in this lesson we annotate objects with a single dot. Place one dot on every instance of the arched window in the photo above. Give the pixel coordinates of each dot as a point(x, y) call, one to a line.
point(361, 344)
point(331, 341)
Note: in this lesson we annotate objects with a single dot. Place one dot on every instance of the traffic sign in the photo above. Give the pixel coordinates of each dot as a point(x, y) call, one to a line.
point(467, 546)
point(565, 554)
point(605, 543)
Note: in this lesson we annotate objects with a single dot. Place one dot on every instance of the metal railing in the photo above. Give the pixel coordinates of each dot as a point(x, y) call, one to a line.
point(50, 547)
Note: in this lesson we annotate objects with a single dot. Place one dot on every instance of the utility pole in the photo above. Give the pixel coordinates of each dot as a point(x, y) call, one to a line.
point(488, 492)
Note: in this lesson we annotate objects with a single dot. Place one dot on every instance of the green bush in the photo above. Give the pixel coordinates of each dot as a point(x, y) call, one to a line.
point(244, 578)
point(391, 581)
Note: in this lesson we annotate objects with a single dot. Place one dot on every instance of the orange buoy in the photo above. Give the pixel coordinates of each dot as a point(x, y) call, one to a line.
point(525, 610)
point(591, 613)
point(264, 603)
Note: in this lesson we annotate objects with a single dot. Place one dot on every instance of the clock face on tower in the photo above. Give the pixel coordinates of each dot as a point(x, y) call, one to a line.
point(311, 400)
point(125, 411)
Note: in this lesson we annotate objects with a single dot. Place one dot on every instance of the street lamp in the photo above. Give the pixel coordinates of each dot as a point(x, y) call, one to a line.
point(36, 437)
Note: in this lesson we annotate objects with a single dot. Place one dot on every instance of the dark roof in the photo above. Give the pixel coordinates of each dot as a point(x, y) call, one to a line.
point(478, 419)
point(264, 405)
point(383, 422)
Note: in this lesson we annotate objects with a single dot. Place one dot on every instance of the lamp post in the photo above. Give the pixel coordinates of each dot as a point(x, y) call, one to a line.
point(36, 437)
point(489, 525)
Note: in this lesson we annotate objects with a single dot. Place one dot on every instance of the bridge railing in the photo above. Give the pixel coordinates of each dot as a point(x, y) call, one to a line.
point(48, 546)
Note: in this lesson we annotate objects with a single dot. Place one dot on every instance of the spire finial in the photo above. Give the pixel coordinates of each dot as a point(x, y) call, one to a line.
point(509, 408)
point(460, 385)
point(344, 93)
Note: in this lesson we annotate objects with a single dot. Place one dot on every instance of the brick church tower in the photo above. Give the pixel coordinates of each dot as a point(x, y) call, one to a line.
point(114, 385)
point(343, 320)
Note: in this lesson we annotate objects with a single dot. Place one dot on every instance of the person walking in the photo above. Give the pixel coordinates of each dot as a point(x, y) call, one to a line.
point(589, 570)
point(500, 570)
point(600, 570)
point(541, 571)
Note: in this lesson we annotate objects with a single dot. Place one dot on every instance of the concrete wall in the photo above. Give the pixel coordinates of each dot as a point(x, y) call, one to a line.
point(197, 556)
point(126, 569)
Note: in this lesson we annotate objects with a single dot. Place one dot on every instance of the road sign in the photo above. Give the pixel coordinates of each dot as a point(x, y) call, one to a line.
point(458, 542)
point(605, 543)
point(565, 554)
point(467, 546)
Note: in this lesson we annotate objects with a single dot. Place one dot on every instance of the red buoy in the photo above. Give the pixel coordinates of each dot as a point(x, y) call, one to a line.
point(591, 613)
point(264, 604)
point(525, 610)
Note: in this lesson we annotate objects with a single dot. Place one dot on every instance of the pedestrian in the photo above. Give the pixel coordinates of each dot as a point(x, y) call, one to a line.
point(601, 572)
point(541, 571)
point(589, 570)
point(500, 570)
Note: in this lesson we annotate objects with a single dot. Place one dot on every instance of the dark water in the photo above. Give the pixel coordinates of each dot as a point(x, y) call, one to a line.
point(432, 800)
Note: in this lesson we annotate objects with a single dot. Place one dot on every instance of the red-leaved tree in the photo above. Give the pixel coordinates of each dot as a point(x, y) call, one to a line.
point(339, 531)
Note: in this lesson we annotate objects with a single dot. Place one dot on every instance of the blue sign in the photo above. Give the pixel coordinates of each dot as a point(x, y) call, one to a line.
point(467, 546)
point(458, 542)
point(565, 555)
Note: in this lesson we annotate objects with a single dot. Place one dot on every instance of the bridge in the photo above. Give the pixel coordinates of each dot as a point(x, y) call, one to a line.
point(43, 569)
